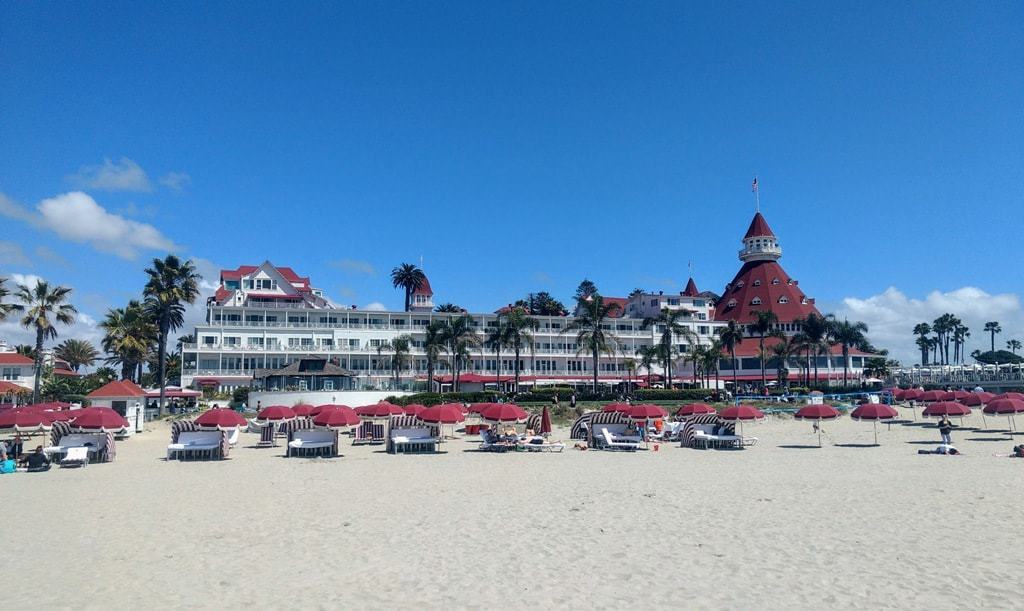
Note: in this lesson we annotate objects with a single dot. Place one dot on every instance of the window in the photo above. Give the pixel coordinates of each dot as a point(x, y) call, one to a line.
point(672, 301)
point(12, 373)
point(702, 329)
point(293, 342)
point(783, 299)
point(755, 301)
point(265, 284)
point(654, 303)
point(327, 343)
point(209, 340)
point(255, 342)
point(757, 283)
point(731, 304)
point(775, 281)
point(328, 384)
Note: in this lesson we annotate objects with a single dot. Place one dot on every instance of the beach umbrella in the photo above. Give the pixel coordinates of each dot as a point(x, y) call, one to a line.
point(958, 395)
point(447, 413)
point(911, 394)
point(977, 399)
point(221, 418)
point(545, 422)
point(476, 408)
point(1008, 407)
point(414, 409)
point(275, 413)
point(932, 396)
point(950, 409)
point(622, 408)
point(741, 414)
point(303, 410)
point(694, 409)
point(25, 421)
point(503, 413)
point(817, 414)
point(380, 411)
point(319, 408)
point(874, 412)
point(645, 411)
point(99, 419)
point(63, 415)
point(336, 417)
point(1009, 395)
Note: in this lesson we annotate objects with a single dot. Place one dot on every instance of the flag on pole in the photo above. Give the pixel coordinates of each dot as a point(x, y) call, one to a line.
point(753, 185)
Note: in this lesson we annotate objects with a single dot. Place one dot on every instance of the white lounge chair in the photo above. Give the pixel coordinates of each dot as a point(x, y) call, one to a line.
point(486, 446)
point(310, 439)
point(611, 443)
point(546, 446)
point(76, 457)
point(195, 442)
point(409, 440)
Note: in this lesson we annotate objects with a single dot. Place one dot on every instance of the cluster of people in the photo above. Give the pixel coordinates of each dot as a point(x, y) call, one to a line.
point(11, 457)
point(510, 437)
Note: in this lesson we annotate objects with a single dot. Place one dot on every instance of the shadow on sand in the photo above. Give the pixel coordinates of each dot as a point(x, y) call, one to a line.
point(801, 447)
point(858, 445)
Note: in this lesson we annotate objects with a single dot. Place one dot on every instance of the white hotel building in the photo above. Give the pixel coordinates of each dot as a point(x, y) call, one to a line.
point(266, 317)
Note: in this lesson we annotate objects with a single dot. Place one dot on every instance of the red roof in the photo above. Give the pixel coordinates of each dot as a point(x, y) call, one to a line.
point(222, 294)
point(771, 286)
point(424, 288)
point(244, 270)
point(759, 228)
point(13, 358)
point(619, 301)
point(691, 289)
point(122, 388)
point(6, 387)
point(66, 373)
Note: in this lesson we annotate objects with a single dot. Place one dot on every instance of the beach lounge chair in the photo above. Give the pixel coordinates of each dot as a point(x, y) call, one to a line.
point(411, 440)
point(546, 446)
point(201, 443)
point(612, 443)
point(315, 441)
point(233, 436)
point(486, 446)
point(76, 457)
point(370, 433)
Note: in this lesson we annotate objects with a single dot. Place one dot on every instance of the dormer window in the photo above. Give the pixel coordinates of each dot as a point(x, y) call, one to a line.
point(803, 300)
point(783, 299)
point(775, 281)
point(757, 283)
point(755, 301)
point(739, 284)
point(789, 282)
point(731, 304)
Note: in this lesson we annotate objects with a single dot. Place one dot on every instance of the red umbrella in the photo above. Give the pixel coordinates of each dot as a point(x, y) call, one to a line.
point(336, 417)
point(694, 409)
point(645, 412)
point(379, 410)
point(951, 409)
point(276, 413)
point(221, 418)
point(740, 413)
point(447, 413)
point(911, 394)
point(874, 412)
point(22, 420)
point(1008, 407)
point(1010, 395)
point(545, 421)
point(503, 413)
point(476, 408)
point(64, 415)
point(817, 413)
point(622, 408)
point(977, 399)
point(932, 396)
point(99, 419)
point(303, 409)
point(414, 409)
point(319, 408)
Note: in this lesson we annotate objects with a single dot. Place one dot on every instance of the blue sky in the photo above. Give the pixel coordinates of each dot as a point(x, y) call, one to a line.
point(516, 147)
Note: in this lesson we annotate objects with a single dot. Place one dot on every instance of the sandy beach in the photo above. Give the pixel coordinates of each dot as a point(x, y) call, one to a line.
point(778, 525)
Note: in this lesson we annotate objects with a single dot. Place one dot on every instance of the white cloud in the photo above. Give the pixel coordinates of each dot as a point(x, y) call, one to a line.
point(77, 217)
point(347, 292)
point(50, 256)
point(11, 254)
point(84, 326)
point(375, 306)
point(175, 181)
point(124, 175)
point(891, 317)
point(29, 280)
point(354, 266)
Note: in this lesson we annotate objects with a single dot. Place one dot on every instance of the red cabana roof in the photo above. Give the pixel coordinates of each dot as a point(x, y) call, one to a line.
point(117, 389)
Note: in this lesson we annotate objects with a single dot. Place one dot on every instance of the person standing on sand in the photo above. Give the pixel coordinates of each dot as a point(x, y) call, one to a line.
point(945, 428)
point(572, 400)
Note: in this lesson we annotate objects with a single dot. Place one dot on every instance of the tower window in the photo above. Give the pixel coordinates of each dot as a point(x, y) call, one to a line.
point(757, 283)
point(775, 281)
point(731, 304)
point(755, 301)
point(739, 284)
point(783, 299)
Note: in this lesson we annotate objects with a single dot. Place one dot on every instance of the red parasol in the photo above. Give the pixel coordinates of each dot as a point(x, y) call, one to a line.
point(741, 413)
point(694, 409)
point(221, 418)
point(380, 410)
point(545, 421)
point(817, 413)
point(22, 420)
point(319, 408)
point(336, 417)
point(503, 413)
point(645, 412)
point(448, 413)
point(276, 413)
point(303, 409)
point(874, 412)
point(622, 408)
point(952, 409)
point(932, 396)
point(414, 409)
point(99, 419)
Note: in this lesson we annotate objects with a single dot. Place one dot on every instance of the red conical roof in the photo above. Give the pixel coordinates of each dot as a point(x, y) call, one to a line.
point(759, 228)
point(424, 288)
point(691, 289)
point(771, 287)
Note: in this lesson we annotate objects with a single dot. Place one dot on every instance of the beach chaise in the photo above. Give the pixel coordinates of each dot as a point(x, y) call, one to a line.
point(546, 446)
point(75, 457)
point(369, 432)
point(311, 440)
point(486, 446)
point(611, 443)
point(94, 443)
point(200, 443)
point(411, 440)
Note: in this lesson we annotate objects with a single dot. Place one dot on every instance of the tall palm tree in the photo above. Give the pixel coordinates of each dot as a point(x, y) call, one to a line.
point(960, 335)
point(519, 329)
point(668, 323)
point(400, 348)
point(815, 336)
point(496, 339)
point(1013, 345)
point(459, 336)
point(782, 351)
point(42, 308)
point(408, 277)
point(77, 353)
point(433, 346)
point(849, 335)
point(5, 308)
point(589, 325)
point(763, 326)
point(730, 336)
point(171, 284)
point(923, 330)
point(992, 328)
point(648, 355)
point(128, 337)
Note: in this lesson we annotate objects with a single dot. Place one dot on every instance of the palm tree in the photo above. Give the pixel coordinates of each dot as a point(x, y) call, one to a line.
point(182, 340)
point(1013, 345)
point(519, 330)
point(730, 335)
point(648, 355)
point(77, 352)
point(763, 326)
point(400, 347)
point(782, 351)
point(449, 308)
point(459, 337)
point(922, 330)
point(669, 325)
point(42, 307)
point(171, 285)
point(433, 346)
point(408, 277)
point(992, 328)
point(5, 308)
point(590, 323)
point(496, 339)
point(849, 335)
point(630, 365)
point(128, 338)
point(815, 335)
point(961, 333)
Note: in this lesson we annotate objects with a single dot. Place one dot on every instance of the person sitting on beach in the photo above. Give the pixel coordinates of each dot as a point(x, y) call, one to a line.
point(37, 461)
point(1018, 451)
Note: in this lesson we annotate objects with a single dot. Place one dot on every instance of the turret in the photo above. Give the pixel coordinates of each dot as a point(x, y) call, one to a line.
point(760, 243)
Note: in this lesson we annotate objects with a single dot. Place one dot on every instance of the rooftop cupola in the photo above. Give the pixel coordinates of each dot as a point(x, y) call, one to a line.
point(760, 243)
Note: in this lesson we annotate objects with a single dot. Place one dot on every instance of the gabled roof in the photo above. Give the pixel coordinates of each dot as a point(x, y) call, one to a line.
point(298, 368)
point(759, 228)
point(622, 302)
point(424, 288)
point(13, 358)
point(691, 289)
point(768, 283)
point(244, 270)
point(121, 388)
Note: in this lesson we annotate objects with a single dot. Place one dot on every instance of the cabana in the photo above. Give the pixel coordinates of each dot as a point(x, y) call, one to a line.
point(708, 430)
point(190, 439)
point(591, 426)
point(409, 434)
point(124, 397)
point(100, 444)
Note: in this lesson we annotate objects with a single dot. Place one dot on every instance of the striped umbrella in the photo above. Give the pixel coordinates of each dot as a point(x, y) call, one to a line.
point(817, 414)
point(874, 412)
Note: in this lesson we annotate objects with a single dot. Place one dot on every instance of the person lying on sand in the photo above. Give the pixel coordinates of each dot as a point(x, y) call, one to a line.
point(943, 449)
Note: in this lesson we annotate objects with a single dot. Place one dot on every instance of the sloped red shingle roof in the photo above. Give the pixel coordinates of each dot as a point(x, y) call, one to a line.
point(758, 228)
point(13, 358)
point(769, 283)
point(691, 289)
point(424, 288)
point(121, 388)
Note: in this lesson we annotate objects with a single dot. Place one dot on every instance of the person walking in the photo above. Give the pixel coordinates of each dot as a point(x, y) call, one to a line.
point(945, 428)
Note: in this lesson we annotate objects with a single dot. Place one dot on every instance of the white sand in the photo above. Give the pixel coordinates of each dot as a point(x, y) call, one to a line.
point(768, 527)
